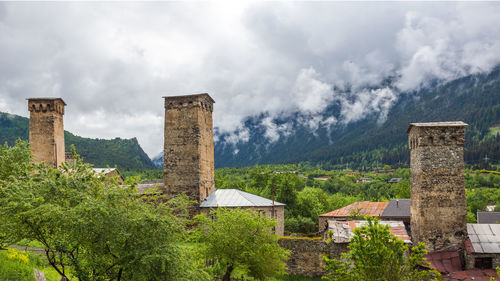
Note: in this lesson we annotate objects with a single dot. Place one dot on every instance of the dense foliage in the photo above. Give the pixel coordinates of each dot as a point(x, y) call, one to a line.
point(89, 224)
point(376, 254)
point(309, 191)
point(307, 197)
point(241, 240)
point(123, 153)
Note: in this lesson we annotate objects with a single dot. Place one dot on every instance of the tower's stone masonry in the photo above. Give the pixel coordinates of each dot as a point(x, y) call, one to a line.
point(46, 132)
point(438, 205)
point(188, 165)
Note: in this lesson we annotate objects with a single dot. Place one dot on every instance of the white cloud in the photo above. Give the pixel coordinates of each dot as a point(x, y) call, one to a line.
point(112, 62)
point(310, 94)
point(377, 101)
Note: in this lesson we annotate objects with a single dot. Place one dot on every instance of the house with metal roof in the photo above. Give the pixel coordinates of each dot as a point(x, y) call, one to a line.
point(343, 231)
point(109, 173)
point(352, 211)
point(234, 198)
point(483, 246)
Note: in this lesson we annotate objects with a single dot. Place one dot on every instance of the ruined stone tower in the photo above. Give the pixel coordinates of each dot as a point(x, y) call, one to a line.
point(46, 135)
point(438, 206)
point(188, 165)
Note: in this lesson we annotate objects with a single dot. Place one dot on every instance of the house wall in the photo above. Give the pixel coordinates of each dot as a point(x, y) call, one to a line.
point(279, 210)
point(470, 259)
point(306, 254)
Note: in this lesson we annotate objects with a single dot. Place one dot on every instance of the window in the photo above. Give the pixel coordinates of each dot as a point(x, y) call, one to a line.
point(483, 263)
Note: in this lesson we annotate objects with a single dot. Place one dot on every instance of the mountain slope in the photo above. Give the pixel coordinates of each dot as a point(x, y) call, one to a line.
point(474, 99)
point(124, 153)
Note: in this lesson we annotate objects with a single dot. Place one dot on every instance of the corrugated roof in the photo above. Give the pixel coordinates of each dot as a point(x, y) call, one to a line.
point(365, 208)
point(236, 198)
point(397, 208)
point(343, 230)
point(437, 124)
point(449, 264)
point(445, 261)
point(485, 238)
point(488, 217)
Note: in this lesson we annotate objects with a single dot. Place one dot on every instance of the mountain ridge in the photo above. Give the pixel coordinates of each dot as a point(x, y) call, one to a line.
point(474, 99)
point(123, 153)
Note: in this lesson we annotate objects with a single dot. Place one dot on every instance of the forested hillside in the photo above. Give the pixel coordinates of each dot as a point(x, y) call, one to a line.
point(368, 142)
point(124, 153)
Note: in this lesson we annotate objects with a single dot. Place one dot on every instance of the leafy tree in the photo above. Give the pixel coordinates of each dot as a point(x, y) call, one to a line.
point(102, 231)
point(376, 254)
point(241, 240)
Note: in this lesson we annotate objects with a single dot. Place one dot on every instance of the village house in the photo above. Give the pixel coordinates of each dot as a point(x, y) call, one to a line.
point(355, 210)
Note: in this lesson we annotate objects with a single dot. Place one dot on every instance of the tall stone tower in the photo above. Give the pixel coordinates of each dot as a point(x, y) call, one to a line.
point(188, 165)
point(46, 134)
point(438, 206)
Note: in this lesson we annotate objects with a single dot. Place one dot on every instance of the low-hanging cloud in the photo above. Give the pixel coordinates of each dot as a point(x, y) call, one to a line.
point(265, 58)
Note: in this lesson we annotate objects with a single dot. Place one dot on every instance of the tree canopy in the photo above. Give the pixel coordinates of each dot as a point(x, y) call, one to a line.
point(100, 230)
point(376, 254)
point(241, 240)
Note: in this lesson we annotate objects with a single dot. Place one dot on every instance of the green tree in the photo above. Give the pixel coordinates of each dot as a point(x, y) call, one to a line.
point(102, 231)
point(376, 254)
point(241, 240)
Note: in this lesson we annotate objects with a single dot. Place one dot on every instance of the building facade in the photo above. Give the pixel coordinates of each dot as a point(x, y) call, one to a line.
point(438, 206)
point(188, 165)
point(46, 130)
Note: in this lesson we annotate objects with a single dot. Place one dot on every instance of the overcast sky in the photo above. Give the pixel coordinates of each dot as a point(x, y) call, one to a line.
point(112, 62)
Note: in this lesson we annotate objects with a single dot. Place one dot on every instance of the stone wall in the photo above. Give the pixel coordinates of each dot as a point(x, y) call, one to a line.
point(438, 206)
point(471, 257)
point(306, 254)
point(46, 130)
point(188, 146)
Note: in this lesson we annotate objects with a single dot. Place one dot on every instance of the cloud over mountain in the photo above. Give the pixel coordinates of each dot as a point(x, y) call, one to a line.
point(112, 62)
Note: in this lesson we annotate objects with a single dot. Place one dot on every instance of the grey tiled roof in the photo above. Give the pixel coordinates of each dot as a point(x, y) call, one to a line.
point(485, 238)
point(488, 217)
point(236, 198)
point(397, 208)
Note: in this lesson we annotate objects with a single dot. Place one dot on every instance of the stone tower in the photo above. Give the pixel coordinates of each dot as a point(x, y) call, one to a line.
point(46, 134)
point(188, 165)
point(438, 206)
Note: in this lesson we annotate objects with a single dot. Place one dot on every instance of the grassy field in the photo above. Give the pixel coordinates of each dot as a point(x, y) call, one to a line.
point(17, 265)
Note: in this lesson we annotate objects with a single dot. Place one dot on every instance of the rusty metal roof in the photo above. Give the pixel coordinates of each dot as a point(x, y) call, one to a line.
point(450, 266)
point(471, 275)
point(374, 209)
point(445, 261)
point(343, 230)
